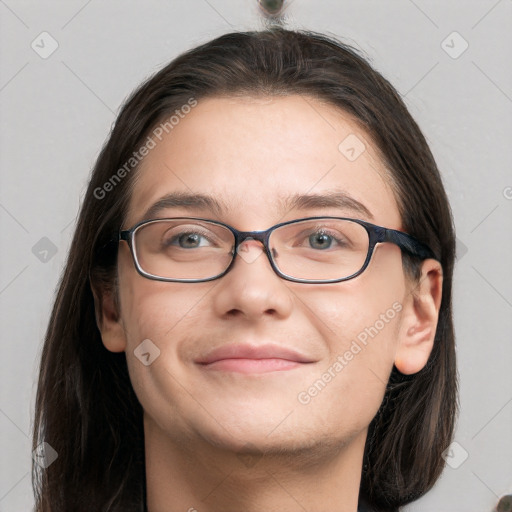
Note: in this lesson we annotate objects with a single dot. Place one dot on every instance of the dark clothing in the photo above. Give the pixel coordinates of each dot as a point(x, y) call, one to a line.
point(364, 507)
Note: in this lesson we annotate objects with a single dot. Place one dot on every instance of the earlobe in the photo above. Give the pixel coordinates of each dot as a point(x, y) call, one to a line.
point(108, 320)
point(419, 319)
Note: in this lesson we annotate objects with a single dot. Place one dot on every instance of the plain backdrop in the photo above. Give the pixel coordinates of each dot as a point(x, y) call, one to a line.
point(449, 60)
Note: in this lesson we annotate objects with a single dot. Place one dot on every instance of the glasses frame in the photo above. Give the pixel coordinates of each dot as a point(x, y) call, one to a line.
point(376, 235)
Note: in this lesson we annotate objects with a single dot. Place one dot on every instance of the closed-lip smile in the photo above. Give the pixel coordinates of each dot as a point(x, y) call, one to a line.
point(253, 359)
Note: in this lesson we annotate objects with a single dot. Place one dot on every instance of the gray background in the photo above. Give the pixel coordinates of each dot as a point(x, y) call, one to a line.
point(57, 111)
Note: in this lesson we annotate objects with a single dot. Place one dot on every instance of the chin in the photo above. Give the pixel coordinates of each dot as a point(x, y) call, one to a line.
point(268, 431)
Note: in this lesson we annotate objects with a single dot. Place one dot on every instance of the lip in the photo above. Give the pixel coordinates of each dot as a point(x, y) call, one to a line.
point(253, 359)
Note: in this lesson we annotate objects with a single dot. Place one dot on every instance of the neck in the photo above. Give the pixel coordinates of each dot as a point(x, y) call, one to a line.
point(195, 476)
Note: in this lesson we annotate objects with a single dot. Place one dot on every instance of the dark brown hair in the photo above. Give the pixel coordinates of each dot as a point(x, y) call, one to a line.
point(86, 408)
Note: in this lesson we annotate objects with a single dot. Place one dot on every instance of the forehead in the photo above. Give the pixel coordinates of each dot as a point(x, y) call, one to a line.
point(254, 156)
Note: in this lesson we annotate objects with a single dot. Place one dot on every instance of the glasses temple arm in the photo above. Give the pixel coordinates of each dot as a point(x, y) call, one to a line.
point(409, 244)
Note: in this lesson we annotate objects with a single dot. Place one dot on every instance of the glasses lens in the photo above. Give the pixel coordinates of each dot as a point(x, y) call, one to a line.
point(183, 248)
point(320, 249)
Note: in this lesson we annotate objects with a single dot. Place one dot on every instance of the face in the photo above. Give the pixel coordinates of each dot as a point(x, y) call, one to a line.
point(250, 154)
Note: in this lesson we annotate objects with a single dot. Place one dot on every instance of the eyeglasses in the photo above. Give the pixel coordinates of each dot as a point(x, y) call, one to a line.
point(310, 250)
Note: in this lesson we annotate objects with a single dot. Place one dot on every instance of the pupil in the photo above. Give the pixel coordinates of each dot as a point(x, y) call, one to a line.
point(320, 240)
point(189, 238)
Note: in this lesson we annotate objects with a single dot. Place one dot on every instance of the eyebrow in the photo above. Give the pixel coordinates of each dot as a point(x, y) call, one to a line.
point(329, 199)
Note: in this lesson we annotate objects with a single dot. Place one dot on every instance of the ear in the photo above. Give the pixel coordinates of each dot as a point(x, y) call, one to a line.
point(419, 319)
point(108, 318)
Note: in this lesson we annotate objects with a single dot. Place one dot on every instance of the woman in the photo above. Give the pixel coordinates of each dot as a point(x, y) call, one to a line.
point(256, 309)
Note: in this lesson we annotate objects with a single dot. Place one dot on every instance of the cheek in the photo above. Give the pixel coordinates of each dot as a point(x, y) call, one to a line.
point(152, 309)
point(154, 315)
point(361, 318)
point(362, 337)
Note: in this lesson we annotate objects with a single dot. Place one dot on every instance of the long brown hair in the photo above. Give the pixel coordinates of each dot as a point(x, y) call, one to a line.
point(86, 409)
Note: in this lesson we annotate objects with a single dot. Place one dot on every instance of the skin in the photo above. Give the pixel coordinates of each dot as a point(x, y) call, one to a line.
point(230, 441)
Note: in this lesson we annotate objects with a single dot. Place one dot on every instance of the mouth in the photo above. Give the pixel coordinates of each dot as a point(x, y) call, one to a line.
point(253, 359)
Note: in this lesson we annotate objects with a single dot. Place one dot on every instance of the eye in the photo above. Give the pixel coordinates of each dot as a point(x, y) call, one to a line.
point(187, 239)
point(322, 239)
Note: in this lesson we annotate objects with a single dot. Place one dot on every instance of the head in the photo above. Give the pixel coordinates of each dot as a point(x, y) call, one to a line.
point(252, 120)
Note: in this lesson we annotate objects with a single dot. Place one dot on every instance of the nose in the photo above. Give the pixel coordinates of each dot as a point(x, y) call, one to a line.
point(252, 289)
point(250, 249)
